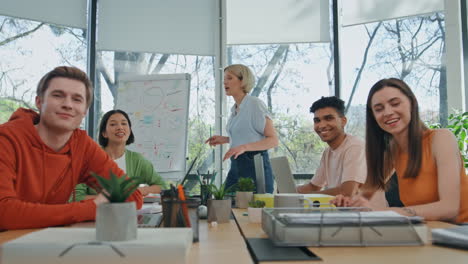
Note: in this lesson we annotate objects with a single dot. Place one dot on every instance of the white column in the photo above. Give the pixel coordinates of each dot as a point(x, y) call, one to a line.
point(220, 99)
point(456, 94)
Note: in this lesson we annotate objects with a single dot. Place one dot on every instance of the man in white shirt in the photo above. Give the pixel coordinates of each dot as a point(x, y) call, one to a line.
point(342, 168)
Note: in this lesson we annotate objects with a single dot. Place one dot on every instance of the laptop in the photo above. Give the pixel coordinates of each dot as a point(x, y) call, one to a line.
point(157, 198)
point(188, 172)
point(285, 182)
point(149, 220)
point(283, 175)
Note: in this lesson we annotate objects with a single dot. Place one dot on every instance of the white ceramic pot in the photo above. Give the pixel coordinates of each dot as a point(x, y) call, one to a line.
point(116, 222)
point(243, 199)
point(255, 214)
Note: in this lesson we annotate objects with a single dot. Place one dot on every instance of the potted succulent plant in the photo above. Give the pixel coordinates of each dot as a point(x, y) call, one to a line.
point(219, 208)
point(116, 220)
point(255, 211)
point(244, 194)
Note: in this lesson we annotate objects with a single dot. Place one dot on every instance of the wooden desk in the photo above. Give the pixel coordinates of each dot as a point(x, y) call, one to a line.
point(362, 255)
point(220, 244)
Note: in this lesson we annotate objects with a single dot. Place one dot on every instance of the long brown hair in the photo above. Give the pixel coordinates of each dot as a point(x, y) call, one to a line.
point(379, 152)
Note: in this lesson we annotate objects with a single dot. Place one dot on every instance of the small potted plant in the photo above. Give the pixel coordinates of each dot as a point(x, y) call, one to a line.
point(116, 220)
point(255, 211)
point(219, 208)
point(244, 193)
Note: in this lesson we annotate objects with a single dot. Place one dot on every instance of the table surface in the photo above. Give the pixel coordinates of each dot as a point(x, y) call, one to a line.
point(225, 244)
point(362, 255)
point(218, 244)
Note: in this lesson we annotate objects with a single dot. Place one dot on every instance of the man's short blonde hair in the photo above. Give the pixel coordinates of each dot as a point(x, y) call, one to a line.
point(244, 74)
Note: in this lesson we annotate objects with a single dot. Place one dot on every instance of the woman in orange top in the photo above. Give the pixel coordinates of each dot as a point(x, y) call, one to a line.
point(431, 177)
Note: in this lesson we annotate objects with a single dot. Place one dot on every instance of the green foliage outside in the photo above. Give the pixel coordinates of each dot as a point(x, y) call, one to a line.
point(458, 124)
point(7, 107)
point(245, 185)
point(117, 190)
point(257, 204)
point(298, 142)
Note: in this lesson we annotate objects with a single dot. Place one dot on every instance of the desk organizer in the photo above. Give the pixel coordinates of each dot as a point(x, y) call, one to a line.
point(341, 227)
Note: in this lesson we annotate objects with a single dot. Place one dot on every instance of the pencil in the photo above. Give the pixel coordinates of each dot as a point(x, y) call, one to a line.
point(180, 190)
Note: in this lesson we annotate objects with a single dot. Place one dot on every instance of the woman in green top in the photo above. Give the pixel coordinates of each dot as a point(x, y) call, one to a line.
point(115, 132)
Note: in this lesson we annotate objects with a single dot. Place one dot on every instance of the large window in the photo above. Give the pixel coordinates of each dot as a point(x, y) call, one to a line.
point(293, 67)
point(28, 50)
point(201, 108)
point(411, 49)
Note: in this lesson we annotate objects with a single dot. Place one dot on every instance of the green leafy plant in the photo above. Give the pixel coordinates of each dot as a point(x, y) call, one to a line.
point(219, 193)
point(257, 204)
point(245, 185)
point(117, 190)
point(458, 124)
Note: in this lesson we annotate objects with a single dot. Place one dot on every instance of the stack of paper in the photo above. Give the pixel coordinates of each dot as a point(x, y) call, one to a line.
point(350, 218)
point(341, 227)
point(78, 245)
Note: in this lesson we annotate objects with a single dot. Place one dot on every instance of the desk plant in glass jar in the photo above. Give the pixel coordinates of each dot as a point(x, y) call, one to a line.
point(116, 220)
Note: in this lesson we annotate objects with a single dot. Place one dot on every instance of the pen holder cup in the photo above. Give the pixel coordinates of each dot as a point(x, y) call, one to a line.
point(177, 213)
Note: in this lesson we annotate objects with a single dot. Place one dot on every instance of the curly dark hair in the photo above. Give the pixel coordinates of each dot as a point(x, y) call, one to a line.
point(330, 101)
point(102, 127)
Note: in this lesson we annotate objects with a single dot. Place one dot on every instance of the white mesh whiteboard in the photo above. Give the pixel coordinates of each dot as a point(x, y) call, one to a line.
point(158, 108)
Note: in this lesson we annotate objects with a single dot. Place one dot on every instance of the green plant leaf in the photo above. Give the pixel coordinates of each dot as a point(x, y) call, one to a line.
point(102, 181)
point(213, 177)
point(117, 189)
point(257, 204)
point(245, 185)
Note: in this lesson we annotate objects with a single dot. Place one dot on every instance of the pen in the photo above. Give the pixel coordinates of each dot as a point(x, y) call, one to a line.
point(180, 190)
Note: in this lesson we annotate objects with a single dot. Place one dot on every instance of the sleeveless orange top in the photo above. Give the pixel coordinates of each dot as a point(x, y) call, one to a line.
point(423, 189)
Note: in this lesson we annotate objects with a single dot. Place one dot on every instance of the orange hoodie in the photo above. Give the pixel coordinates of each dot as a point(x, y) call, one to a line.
point(36, 181)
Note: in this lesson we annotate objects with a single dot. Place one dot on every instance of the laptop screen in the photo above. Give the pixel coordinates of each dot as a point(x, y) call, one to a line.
point(283, 175)
point(188, 172)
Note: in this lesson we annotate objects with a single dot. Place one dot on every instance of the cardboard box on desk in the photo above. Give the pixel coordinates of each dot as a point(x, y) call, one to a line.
point(78, 245)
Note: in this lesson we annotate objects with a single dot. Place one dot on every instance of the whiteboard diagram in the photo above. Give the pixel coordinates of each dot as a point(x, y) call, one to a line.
point(158, 108)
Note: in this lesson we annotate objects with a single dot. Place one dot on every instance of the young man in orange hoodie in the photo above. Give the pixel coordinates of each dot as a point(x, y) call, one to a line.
point(43, 156)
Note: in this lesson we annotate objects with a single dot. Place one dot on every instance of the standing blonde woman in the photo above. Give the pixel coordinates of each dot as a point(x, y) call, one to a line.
point(431, 177)
point(250, 128)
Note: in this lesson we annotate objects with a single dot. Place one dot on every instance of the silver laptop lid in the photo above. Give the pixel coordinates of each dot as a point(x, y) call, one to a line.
point(259, 173)
point(283, 175)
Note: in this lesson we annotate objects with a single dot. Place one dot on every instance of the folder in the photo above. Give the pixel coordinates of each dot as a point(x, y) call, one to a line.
point(456, 237)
